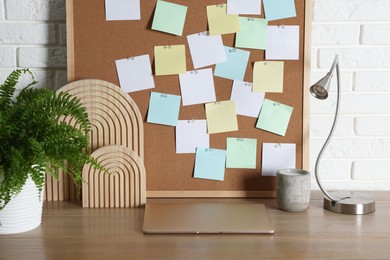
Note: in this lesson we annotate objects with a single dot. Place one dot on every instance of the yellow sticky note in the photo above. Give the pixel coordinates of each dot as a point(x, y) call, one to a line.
point(220, 22)
point(170, 60)
point(221, 117)
point(268, 76)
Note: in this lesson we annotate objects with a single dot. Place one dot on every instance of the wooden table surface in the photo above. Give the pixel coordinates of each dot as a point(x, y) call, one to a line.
point(71, 232)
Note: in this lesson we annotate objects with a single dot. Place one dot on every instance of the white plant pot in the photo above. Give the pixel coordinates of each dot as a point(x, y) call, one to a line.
point(24, 211)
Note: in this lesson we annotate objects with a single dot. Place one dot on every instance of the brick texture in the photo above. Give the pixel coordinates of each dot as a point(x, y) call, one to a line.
point(35, 10)
point(351, 10)
point(1, 10)
point(375, 34)
point(21, 33)
point(372, 81)
point(7, 56)
point(42, 57)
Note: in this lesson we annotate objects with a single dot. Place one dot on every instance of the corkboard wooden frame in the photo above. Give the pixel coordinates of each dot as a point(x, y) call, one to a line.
point(82, 65)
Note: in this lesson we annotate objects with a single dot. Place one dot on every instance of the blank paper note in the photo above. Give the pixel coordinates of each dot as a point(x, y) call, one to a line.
point(210, 164)
point(135, 73)
point(279, 9)
point(248, 103)
point(221, 117)
point(268, 76)
point(220, 22)
point(169, 17)
point(122, 10)
point(197, 87)
point(282, 43)
point(163, 109)
point(235, 66)
point(191, 134)
point(253, 33)
point(274, 117)
point(277, 156)
point(170, 59)
point(206, 49)
point(244, 7)
point(241, 153)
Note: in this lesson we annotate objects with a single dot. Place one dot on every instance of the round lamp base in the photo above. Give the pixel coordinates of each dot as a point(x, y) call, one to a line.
point(350, 202)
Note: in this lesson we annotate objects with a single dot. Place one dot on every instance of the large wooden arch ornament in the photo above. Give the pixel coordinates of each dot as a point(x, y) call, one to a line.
point(114, 116)
point(115, 120)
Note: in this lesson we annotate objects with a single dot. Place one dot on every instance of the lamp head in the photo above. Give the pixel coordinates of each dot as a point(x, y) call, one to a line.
point(320, 89)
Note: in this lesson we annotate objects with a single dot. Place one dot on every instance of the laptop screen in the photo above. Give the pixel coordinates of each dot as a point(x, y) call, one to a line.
point(206, 216)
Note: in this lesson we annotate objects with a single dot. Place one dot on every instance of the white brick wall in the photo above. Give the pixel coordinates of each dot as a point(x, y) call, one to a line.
point(359, 31)
point(33, 34)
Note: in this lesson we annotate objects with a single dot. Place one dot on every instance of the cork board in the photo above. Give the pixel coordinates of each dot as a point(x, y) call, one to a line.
point(93, 46)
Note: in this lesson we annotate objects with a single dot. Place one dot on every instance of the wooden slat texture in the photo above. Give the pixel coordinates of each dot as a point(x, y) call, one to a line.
point(115, 120)
point(123, 186)
point(71, 232)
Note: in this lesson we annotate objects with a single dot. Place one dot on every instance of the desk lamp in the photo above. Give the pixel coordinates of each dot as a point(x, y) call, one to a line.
point(345, 202)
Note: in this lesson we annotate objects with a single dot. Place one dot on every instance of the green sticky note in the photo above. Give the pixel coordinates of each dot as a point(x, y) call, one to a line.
point(252, 34)
point(241, 153)
point(274, 117)
point(169, 18)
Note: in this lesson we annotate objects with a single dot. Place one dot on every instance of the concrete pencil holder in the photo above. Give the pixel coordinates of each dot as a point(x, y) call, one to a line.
point(293, 189)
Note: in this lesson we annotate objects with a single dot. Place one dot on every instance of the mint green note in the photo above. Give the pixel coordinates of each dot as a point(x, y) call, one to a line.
point(274, 117)
point(253, 33)
point(241, 153)
point(169, 17)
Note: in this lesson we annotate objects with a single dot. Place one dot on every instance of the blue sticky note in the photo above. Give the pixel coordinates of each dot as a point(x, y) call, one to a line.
point(235, 66)
point(210, 164)
point(279, 9)
point(163, 109)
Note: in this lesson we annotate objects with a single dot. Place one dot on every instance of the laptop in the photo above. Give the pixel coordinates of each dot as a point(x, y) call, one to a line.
point(204, 216)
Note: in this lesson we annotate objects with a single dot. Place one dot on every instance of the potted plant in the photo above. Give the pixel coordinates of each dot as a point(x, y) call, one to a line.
point(34, 140)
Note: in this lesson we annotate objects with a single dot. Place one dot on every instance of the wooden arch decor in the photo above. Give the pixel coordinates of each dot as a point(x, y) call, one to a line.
point(115, 120)
point(123, 186)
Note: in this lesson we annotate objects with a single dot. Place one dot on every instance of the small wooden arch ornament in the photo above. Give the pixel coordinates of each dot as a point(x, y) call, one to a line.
point(124, 184)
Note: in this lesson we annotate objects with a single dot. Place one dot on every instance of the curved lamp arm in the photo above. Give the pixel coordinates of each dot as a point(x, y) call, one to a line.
point(335, 65)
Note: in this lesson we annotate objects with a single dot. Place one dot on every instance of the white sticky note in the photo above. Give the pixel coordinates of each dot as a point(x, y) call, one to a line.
point(197, 87)
point(135, 73)
point(244, 7)
point(277, 156)
point(282, 43)
point(206, 49)
point(191, 134)
point(122, 10)
point(248, 103)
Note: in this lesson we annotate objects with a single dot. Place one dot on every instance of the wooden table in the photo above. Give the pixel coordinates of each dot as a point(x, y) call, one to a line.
point(71, 232)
